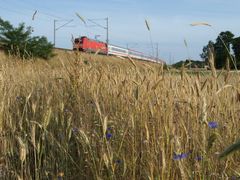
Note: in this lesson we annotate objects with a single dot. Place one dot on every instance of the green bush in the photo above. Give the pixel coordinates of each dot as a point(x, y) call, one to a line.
point(17, 41)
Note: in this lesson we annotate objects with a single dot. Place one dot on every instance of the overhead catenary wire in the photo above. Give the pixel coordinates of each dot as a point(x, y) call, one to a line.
point(29, 15)
point(33, 9)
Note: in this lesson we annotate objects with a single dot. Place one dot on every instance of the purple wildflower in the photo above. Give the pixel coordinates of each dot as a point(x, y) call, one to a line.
point(108, 136)
point(198, 158)
point(109, 133)
point(75, 130)
point(180, 156)
point(212, 124)
point(61, 136)
point(118, 161)
point(19, 99)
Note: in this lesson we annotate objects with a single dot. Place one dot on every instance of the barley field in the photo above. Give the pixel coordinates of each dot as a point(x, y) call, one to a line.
point(80, 116)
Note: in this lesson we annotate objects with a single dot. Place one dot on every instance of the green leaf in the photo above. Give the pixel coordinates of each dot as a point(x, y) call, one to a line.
point(230, 149)
point(211, 141)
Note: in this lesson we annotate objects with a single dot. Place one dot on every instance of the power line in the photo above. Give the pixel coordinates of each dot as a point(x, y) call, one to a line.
point(11, 10)
point(40, 11)
point(21, 13)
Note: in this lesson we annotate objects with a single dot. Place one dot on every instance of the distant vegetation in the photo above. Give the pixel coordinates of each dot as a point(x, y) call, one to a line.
point(226, 50)
point(17, 41)
point(190, 64)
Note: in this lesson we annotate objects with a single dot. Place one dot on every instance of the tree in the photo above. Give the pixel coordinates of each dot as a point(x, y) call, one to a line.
point(222, 48)
point(236, 50)
point(18, 42)
point(204, 54)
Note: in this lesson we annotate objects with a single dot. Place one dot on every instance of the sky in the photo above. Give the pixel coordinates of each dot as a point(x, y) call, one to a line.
point(169, 22)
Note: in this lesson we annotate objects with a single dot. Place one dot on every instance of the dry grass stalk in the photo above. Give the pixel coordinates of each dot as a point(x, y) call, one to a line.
point(211, 60)
point(118, 122)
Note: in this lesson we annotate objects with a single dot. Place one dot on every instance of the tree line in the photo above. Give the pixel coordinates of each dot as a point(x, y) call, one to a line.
point(18, 41)
point(226, 50)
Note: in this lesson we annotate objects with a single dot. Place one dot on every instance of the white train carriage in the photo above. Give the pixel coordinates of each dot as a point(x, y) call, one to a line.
point(119, 51)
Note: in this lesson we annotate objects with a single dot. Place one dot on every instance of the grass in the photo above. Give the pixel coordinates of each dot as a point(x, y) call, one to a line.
point(82, 116)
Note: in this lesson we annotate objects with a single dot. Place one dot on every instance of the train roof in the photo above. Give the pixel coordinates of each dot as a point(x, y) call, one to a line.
point(90, 39)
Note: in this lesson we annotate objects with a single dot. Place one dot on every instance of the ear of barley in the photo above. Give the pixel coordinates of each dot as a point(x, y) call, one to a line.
point(105, 123)
point(185, 43)
point(147, 24)
point(105, 159)
point(34, 14)
point(97, 52)
point(131, 60)
point(211, 62)
point(81, 18)
point(200, 24)
point(22, 149)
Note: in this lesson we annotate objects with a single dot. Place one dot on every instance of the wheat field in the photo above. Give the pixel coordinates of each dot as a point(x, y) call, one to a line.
point(80, 116)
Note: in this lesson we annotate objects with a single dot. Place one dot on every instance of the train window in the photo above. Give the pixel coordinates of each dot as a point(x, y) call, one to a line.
point(76, 41)
point(119, 50)
point(133, 53)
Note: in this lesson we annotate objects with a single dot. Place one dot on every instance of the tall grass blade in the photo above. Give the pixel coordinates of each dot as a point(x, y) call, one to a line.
point(232, 148)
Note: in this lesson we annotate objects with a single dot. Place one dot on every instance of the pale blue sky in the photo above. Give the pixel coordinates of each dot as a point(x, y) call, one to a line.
point(169, 22)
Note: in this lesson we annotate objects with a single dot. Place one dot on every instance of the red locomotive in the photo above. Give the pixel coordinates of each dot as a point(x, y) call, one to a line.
point(88, 45)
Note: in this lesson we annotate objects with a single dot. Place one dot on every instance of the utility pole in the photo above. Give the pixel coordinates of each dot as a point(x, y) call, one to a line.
point(54, 32)
point(170, 58)
point(107, 28)
point(57, 28)
point(157, 50)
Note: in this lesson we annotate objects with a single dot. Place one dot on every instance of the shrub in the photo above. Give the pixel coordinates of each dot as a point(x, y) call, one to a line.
point(17, 41)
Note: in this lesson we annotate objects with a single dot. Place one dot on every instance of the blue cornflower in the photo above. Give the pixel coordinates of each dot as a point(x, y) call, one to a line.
point(212, 124)
point(61, 136)
point(180, 156)
point(235, 177)
point(59, 178)
point(19, 98)
point(198, 158)
point(108, 136)
point(118, 161)
point(75, 130)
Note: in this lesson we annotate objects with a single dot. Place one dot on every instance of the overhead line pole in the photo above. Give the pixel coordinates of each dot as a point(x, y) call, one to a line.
point(104, 27)
point(107, 40)
point(57, 28)
point(54, 32)
point(107, 31)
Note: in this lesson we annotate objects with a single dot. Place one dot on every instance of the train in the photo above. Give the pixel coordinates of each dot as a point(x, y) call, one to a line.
point(86, 44)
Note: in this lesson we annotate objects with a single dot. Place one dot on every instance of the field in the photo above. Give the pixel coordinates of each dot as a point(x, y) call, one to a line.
point(81, 116)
